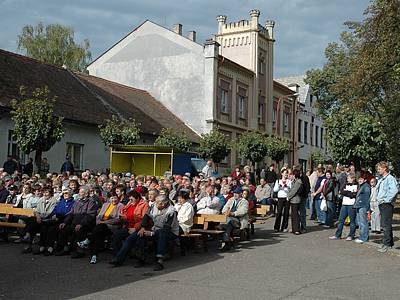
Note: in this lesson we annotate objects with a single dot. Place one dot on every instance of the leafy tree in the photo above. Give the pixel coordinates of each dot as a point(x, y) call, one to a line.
point(362, 74)
point(252, 145)
point(36, 128)
point(317, 158)
point(169, 137)
point(277, 148)
point(356, 137)
point(54, 44)
point(117, 131)
point(214, 145)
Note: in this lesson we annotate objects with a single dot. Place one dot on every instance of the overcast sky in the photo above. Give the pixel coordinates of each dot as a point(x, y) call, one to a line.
point(302, 31)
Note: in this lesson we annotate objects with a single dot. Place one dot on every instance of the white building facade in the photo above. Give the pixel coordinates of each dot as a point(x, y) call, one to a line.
point(310, 127)
point(227, 82)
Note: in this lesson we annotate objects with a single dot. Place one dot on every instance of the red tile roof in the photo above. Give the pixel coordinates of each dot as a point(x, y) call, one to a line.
point(85, 98)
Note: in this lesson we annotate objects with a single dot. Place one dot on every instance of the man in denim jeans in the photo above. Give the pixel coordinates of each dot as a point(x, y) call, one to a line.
point(387, 193)
point(165, 228)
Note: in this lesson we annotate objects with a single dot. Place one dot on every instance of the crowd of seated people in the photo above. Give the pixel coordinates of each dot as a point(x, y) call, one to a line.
point(75, 215)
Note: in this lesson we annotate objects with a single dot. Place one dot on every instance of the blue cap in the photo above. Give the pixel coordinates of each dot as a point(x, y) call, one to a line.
point(237, 190)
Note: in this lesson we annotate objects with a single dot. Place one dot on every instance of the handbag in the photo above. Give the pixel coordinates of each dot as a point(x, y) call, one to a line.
point(324, 206)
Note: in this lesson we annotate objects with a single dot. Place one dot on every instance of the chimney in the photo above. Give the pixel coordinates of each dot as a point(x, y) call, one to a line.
point(192, 35)
point(254, 14)
point(177, 28)
point(211, 49)
point(221, 22)
point(269, 25)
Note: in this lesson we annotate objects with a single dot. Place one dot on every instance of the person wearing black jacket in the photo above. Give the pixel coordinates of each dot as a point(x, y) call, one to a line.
point(77, 224)
point(328, 191)
point(67, 166)
point(341, 177)
point(304, 194)
point(10, 165)
point(349, 193)
point(271, 176)
point(295, 199)
point(28, 168)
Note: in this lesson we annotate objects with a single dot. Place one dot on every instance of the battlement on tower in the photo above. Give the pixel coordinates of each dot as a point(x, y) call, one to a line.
point(241, 26)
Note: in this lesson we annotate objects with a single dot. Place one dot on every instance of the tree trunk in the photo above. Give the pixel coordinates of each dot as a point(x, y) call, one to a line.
point(38, 160)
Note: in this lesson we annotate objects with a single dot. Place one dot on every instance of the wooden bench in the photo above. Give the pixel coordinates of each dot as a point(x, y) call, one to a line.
point(262, 210)
point(7, 210)
point(204, 221)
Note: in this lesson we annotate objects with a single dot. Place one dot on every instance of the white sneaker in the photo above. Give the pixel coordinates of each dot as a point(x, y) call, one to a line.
point(93, 260)
point(84, 244)
point(358, 241)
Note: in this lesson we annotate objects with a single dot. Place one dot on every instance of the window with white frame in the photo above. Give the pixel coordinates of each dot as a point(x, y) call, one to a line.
point(274, 113)
point(242, 107)
point(13, 149)
point(286, 121)
point(75, 152)
point(305, 132)
point(261, 112)
point(299, 131)
point(312, 134)
point(322, 138)
point(224, 101)
point(261, 65)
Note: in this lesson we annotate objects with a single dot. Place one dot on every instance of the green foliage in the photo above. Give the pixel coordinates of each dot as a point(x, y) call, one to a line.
point(214, 145)
point(277, 148)
point(362, 75)
point(169, 137)
point(35, 126)
point(116, 131)
point(317, 158)
point(355, 137)
point(54, 44)
point(252, 145)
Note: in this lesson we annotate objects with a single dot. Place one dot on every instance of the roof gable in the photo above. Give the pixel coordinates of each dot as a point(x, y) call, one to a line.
point(160, 41)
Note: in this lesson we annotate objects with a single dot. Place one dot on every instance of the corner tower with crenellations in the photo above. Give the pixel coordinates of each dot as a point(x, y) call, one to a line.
point(251, 45)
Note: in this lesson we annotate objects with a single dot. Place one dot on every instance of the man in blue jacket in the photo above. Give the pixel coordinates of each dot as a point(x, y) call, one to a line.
point(387, 194)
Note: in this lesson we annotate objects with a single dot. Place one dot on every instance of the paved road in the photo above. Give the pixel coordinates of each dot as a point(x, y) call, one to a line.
point(271, 266)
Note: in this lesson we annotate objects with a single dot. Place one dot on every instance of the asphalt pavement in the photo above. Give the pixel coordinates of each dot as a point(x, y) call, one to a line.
point(270, 266)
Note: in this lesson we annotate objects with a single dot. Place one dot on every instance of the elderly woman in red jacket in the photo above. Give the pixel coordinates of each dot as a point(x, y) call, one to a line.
point(132, 215)
point(107, 222)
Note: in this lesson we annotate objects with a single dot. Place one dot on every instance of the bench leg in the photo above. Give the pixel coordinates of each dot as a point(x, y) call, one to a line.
point(205, 246)
point(4, 234)
point(197, 244)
